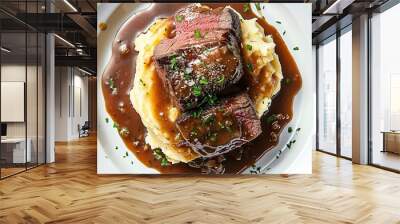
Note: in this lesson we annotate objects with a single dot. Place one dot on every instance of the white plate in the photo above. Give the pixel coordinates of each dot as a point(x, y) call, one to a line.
point(295, 19)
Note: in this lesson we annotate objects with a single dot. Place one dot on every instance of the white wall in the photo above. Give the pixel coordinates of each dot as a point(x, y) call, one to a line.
point(33, 127)
point(71, 93)
point(16, 73)
point(13, 73)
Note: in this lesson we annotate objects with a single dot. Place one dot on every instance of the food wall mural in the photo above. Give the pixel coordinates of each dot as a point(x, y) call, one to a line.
point(196, 88)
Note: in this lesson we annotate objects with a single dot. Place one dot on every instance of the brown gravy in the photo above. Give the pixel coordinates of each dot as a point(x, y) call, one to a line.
point(121, 68)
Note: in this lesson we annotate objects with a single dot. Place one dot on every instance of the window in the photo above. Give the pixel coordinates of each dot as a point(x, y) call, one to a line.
point(346, 94)
point(327, 97)
point(385, 89)
point(22, 76)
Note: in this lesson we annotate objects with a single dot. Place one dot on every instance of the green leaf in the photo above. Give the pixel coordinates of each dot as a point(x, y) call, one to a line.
point(258, 7)
point(246, 7)
point(279, 22)
point(115, 125)
point(164, 162)
point(221, 79)
point(179, 18)
point(296, 48)
point(249, 47)
point(141, 81)
point(196, 90)
point(186, 75)
point(211, 99)
point(173, 63)
point(107, 120)
point(271, 119)
point(159, 155)
point(208, 119)
point(290, 129)
point(197, 34)
point(203, 80)
point(197, 113)
point(111, 83)
point(250, 67)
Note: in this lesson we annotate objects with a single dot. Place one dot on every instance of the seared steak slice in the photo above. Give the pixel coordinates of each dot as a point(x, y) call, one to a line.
point(220, 128)
point(195, 16)
point(192, 68)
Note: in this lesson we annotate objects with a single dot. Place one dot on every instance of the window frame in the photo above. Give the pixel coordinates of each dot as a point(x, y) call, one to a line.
point(336, 36)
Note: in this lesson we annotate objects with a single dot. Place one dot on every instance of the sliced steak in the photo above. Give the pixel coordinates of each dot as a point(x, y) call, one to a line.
point(220, 128)
point(192, 68)
point(195, 16)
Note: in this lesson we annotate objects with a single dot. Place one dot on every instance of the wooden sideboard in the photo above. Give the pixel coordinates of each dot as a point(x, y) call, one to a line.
point(391, 141)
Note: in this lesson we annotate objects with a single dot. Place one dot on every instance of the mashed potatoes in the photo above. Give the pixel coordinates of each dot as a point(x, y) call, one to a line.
point(263, 64)
point(265, 78)
point(141, 95)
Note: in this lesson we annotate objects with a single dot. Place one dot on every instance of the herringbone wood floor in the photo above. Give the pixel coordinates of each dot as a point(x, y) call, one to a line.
point(69, 191)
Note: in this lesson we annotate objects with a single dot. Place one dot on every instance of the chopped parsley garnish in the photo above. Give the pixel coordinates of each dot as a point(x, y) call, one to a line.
point(203, 80)
point(116, 148)
point(115, 125)
point(291, 142)
point(221, 125)
point(258, 7)
point(179, 18)
point(250, 67)
point(249, 47)
point(197, 113)
point(290, 129)
point(141, 81)
point(271, 119)
point(221, 79)
point(208, 119)
point(255, 169)
point(284, 32)
point(196, 90)
point(211, 99)
point(279, 22)
point(186, 74)
point(111, 83)
point(160, 156)
point(289, 145)
point(174, 63)
point(164, 162)
point(107, 120)
point(197, 34)
point(112, 87)
point(296, 48)
point(213, 137)
point(246, 7)
point(287, 81)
